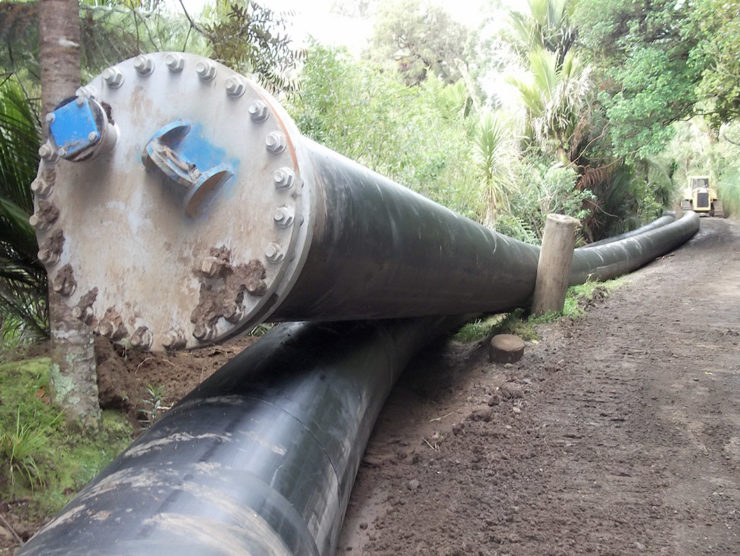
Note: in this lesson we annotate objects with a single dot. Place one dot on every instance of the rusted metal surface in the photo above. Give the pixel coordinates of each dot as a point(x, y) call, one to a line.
point(142, 240)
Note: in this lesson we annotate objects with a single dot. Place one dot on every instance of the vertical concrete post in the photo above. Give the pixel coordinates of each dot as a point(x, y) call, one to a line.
point(553, 267)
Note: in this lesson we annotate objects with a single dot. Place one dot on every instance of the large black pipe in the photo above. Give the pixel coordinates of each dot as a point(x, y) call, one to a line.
point(297, 232)
point(259, 459)
point(667, 218)
point(380, 250)
point(623, 256)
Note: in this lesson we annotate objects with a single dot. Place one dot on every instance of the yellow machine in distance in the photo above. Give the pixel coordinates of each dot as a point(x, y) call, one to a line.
point(702, 198)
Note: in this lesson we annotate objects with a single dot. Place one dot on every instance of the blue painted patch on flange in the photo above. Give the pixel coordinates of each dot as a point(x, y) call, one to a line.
point(72, 127)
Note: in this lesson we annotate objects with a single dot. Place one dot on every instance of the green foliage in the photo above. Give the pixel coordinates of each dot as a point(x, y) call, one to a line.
point(153, 405)
point(545, 27)
point(39, 449)
point(20, 448)
point(493, 160)
point(556, 96)
point(117, 30)
point(479, 328)
point(542, 190)
point(652, 61)
point(717, 25)
point(253, 39)
point(419, 38)
point(417, 136)
point(577, 299)
point(22, 277)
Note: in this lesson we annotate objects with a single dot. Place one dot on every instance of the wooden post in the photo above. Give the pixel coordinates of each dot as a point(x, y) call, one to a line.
point(553, 267)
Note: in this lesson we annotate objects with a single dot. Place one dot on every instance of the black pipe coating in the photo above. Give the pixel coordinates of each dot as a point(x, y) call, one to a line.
point(667, 218)
point(620, 257)
point(259, 459)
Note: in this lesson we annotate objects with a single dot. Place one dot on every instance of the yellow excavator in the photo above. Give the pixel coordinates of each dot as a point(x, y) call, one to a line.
point(700, 197)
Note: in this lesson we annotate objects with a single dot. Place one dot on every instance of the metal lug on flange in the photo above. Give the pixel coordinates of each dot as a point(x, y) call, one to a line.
point(258, 111)
point(41, 187)
point(142, 338)
point(174, 339)
point(51, 249)
point(283, 217)
point(64, 283)
point(113, 77)
point(143, 65)
point(234, 313)
point(83, 314)
point(203, 332)
point(273, 253)
point(235, 86)
point(48, 152)
point(283, 178)
point(44, 217)
point(48, 257)
point(206, 70)
point(175, 62)
point(275, 142)
point(111, 325)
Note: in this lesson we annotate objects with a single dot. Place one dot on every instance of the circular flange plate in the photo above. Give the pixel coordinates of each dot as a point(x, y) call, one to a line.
point(193, 226)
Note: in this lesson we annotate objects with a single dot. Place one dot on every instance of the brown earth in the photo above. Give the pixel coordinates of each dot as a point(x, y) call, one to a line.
point(616, 433)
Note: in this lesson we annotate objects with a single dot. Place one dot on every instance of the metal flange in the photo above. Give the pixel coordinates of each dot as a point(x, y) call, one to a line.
point(190, 224)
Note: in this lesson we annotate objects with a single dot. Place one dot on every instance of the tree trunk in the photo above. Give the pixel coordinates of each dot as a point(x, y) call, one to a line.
point(73, 373)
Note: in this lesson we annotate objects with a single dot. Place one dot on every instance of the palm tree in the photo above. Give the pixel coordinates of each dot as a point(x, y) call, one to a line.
point(546, 26)
point(556, 98)
point(22, 277)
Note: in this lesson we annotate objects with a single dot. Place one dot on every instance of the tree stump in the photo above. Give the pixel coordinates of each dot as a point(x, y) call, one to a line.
point(505, 348)
point(553, 267)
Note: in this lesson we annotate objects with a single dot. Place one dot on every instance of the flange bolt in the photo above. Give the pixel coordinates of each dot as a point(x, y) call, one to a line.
point(174, 62)
point(235, 86)
point(41, 187)
point(273, 253)
point(258, 111)
point(205, 70)
point(203, 332)
point(174, 339)
point(283, 177)
point(142, 338)
point(113, 77)
point(283, 217)
point(48, 256)
point(47, 152)
point(143, 65)
point(85, 315)
point(233, 313)
point(275, 142)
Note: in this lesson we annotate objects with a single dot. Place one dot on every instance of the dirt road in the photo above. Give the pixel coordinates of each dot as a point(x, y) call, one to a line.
point(617, 433)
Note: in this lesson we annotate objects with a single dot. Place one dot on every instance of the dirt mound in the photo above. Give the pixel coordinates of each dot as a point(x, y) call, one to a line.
point(135, 381)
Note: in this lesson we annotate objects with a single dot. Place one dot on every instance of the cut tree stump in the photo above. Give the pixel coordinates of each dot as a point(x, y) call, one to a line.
point(505, 348)
point(553, 267)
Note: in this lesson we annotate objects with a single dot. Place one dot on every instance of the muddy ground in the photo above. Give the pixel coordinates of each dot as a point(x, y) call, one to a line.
point(617, 433)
